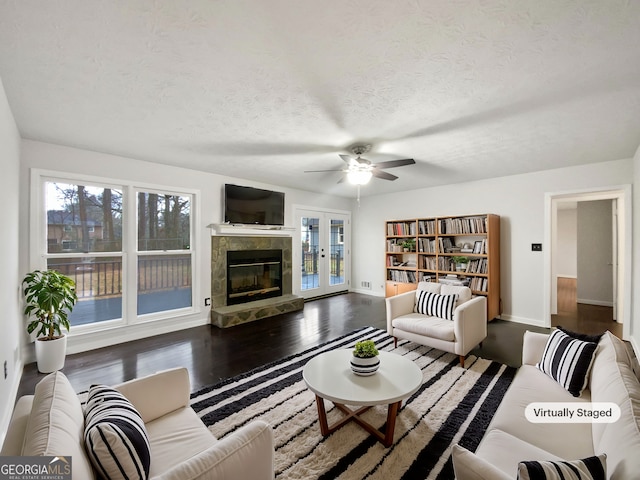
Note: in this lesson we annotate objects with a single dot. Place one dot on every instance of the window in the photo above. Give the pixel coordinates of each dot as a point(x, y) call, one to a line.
point(74, 213)
point(89, 236)
point(164, 254)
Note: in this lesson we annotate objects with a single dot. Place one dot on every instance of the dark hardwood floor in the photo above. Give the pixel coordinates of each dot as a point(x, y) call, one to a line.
point(212, 354)
point(580, 317)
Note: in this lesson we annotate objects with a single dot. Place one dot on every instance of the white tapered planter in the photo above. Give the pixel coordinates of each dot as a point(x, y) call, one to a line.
point(50, 354)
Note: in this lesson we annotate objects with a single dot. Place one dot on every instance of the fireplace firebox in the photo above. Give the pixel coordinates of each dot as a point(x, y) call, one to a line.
point(253, 275)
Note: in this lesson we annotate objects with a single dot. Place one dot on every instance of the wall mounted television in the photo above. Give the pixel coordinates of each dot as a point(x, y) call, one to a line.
point(253, 206)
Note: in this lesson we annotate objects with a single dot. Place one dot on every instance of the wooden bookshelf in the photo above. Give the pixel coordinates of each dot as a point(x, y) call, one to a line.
point(423, 249)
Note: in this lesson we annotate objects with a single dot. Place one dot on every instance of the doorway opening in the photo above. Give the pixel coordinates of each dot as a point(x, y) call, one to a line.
point(607, 271)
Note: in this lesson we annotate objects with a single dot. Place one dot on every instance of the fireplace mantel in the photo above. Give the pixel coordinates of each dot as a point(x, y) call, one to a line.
point(230, 229)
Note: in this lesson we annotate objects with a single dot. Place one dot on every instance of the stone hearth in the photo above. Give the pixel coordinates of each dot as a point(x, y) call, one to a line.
point(223, 315)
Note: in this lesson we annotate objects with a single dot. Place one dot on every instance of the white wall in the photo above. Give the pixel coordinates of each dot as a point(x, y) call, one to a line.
point(595, 253)
point(635, 300)
point(566, 259)
point(518, 199)
point(66, 159)
point(11, 324)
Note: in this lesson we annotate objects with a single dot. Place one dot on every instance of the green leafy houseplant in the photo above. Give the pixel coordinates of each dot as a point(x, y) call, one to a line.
point(458, 259)
point(365, 349)
point(409, 244)
point(50, 297)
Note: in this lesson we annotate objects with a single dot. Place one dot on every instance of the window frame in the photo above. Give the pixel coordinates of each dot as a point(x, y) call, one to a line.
point(38, 243)
point(143, 253)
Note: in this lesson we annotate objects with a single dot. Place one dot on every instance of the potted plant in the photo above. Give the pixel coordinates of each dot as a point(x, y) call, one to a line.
point(365, 359)
point(409, 245)
point(50, 297)
point(461, 263)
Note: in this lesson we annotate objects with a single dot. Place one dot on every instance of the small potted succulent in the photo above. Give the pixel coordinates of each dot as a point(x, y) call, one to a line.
point(461, 263)
point(365, 361)
point(50, 297)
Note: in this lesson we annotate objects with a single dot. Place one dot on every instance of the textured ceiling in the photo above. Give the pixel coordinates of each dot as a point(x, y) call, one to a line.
point(264, 90)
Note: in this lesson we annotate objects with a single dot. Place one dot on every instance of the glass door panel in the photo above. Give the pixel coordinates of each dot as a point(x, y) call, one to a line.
point(310, 244)
point(336, 244)
point(323, 256)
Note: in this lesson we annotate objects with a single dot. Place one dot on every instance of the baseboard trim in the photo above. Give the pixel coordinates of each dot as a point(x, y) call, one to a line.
point(525, 321)
point(367, 292)
point(599, 303)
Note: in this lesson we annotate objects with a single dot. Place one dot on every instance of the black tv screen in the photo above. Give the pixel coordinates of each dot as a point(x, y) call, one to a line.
point(253, 206)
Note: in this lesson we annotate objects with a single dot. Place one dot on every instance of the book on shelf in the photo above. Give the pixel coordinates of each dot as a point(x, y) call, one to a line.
point(464, 225)
point(480, 246)
point(401, 228)
point(428, 263)
point(402, 276)
point(445, 245)
point(478, 265)
point(427, 277)
point(463, 282)
point(427, 227)
point(479, 284)
point(427, 245)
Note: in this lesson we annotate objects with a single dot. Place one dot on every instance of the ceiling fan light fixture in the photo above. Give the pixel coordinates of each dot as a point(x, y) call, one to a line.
point(359, 177)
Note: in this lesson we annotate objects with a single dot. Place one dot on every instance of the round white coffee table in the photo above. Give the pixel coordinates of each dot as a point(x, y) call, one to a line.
point(329, 376)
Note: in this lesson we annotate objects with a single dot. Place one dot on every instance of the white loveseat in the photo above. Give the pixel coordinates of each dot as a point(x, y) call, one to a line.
point(511, 438)
point(465, 331)
point(51, 422)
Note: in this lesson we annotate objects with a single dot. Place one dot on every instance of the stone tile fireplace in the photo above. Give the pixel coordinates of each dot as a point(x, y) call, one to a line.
point(264, 284)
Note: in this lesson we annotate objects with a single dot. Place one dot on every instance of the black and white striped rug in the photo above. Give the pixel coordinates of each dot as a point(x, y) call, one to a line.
point(454, 405)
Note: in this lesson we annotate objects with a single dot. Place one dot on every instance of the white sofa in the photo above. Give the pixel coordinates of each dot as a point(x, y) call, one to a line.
point(511, 438)
point(460, 335)
point(51, 422)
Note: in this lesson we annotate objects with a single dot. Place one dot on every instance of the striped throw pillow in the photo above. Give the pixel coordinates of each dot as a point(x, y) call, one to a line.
point(435, 305)
point(592, 468)
point(115, 437)
point(568, 361)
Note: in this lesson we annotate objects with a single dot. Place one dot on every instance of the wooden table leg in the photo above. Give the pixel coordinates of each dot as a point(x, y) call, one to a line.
point(392, 413)
point(386, 439)
point(322, 416)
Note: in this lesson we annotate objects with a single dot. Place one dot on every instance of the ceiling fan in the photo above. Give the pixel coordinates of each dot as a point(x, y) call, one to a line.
point(360, 170)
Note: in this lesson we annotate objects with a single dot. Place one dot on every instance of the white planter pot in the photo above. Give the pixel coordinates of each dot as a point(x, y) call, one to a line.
point(50, 354)
point(364, 366)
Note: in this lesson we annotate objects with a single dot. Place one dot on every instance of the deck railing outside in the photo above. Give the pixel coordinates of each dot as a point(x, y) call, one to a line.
point(104, 278)
point(310, 263)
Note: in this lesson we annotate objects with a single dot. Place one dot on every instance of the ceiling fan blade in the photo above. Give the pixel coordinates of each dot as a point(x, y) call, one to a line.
point(395, 163)
point(330, 170)
point(346, 158)
point(383, 175)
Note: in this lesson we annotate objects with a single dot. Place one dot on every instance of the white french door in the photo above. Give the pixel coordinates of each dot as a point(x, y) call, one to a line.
point(321, 252)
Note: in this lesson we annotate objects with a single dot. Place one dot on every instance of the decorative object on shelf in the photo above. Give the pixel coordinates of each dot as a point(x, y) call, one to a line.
point(461, 263)
point(365, 361)
point(409, 245)
point(50, 297)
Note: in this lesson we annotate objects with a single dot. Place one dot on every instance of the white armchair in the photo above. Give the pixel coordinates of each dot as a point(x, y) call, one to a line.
point(465, 331)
